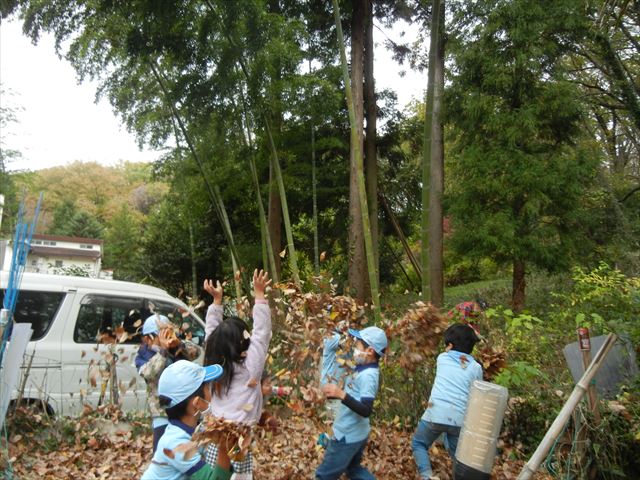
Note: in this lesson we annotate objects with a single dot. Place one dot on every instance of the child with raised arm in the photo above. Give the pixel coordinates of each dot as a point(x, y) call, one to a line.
point(351, 427)
point(332, 370)
point(238, 395)
point(184, 389)
point(455, 372)
point(159, 349)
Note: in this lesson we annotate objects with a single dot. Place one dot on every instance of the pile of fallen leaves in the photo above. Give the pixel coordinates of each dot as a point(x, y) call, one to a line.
point(99, 444)
point(97, 451)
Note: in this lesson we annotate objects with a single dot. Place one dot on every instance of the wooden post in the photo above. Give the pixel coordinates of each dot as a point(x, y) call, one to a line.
point(584, 343)
point(556, 427)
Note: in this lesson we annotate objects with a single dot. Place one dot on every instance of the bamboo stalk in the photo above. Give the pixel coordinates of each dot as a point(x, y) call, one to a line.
point(314, 185)
point(194, 273)
point(293, 262)
point(578, 392)
point(275, 162)
point(234, 265)
point(314, 188)
point(268, 256)
point(215, 200)
point(362, 192)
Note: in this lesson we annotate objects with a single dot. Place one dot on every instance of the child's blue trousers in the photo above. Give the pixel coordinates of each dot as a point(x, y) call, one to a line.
point(341, 457)
point(425, 435)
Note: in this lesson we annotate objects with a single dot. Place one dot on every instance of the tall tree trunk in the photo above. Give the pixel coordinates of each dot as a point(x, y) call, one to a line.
point(428, 149)
point(291, 250)
point(436, 184)
point(356, 140)
point(519, 285)
point(314, 192)
point(370, 150)
point(194, 273)
point(314, 185)
point(357, 261)
point(234, 265)
point(275, 220)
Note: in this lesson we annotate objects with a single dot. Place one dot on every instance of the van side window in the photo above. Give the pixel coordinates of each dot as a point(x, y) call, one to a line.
point(102, 317)
point(190, 328)
point(37, 308)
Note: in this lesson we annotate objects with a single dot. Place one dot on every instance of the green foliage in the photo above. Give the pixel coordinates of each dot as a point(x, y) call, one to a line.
point(122, 245)
point(603, 299)
point(70, 221)
point(527, 420)
point(518, 170)
point(519, 375)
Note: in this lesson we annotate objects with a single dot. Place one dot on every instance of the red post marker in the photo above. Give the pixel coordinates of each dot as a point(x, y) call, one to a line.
point(584, 342)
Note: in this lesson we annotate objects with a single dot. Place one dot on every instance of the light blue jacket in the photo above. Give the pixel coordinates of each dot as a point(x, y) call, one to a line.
point(455, 372)
point(361, 385)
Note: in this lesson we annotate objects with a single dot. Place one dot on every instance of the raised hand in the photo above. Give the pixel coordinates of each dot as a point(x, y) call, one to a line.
point(332, 390)
point(167, 339)
point(215, 291)
point(260, 282)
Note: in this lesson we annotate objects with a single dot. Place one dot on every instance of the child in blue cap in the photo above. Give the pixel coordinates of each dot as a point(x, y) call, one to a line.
point(351, 426)
point(184, 390)
point(160, 348)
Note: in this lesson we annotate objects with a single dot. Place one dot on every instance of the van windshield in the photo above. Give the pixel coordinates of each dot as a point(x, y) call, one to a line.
point(37, 308)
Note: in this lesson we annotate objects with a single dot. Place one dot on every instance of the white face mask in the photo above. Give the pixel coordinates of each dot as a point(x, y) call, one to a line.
point(198, 405)
point(359, 356)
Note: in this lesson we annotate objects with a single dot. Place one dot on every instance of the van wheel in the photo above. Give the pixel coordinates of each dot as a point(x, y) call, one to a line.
point(34, 404)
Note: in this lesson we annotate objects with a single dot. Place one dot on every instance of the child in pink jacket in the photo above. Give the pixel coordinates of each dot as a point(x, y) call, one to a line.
point(237, 395)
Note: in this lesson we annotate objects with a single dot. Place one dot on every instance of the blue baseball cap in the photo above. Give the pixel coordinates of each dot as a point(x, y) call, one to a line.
point(153, 323)
point(181, 379)
point(372, 336)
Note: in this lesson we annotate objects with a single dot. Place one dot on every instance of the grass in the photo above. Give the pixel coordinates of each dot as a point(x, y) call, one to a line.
point(495, 291)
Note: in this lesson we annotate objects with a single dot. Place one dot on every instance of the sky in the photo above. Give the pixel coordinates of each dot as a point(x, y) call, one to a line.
point(59, 121)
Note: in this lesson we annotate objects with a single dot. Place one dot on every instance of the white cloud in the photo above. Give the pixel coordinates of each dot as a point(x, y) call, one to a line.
point(61, 123)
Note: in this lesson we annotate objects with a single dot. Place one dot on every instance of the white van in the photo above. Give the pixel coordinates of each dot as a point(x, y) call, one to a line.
point(67, 315)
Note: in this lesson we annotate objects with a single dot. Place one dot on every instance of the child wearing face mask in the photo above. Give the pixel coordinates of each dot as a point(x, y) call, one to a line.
point(184, 390)
point(237, 396)
point(351, 426)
